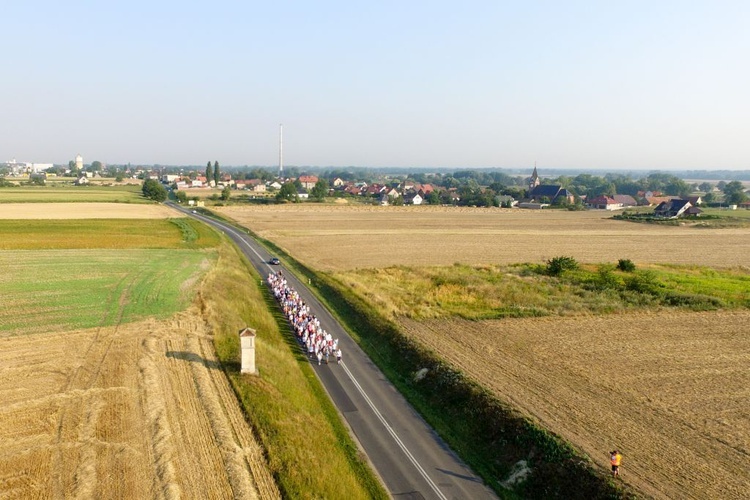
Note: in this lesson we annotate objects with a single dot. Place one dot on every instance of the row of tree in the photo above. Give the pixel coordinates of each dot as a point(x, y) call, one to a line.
point(213, 173)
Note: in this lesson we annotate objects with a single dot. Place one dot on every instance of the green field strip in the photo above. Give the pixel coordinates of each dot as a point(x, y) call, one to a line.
point(71, 289)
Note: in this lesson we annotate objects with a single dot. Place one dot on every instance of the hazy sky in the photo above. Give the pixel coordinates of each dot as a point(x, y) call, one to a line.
point(590, 84)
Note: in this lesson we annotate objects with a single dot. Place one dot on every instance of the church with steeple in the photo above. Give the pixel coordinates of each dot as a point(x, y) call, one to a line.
point(534, 179)
point(547, 193)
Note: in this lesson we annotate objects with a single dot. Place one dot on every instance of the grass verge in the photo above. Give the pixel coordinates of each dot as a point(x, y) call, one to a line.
point(309, 450)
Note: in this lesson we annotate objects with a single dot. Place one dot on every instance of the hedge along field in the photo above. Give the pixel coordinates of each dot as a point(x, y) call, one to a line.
point(58, 193)
point(60, 290)
point(105, 233)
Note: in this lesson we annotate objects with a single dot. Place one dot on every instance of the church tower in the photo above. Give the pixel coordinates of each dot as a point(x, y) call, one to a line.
point(534, 180)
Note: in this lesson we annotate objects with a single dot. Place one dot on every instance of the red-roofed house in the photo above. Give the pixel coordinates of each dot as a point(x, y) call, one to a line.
point(604, 203)
point(308, 181)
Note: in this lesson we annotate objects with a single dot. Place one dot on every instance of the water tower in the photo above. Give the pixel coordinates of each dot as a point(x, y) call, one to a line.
point(79, 162)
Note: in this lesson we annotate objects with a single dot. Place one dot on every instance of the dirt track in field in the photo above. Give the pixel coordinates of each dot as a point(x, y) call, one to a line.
point(669, 390)
point(84, 211)
point(140, 410)
point(349, 237)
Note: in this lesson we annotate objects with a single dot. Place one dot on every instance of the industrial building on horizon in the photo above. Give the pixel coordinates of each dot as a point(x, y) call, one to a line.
point(25, 167)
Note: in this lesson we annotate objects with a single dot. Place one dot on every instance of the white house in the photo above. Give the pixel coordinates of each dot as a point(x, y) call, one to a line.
point(413, 199)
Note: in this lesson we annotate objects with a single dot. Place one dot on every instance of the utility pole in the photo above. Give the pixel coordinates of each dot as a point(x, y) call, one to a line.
point(281, 151)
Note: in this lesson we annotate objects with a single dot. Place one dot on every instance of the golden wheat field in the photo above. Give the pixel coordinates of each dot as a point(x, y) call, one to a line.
point(138, 410)
point(84, 211)
point(349, 237)
point(670, 389)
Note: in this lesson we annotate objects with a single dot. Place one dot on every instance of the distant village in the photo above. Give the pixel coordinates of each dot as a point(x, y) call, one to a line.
point(670, 196)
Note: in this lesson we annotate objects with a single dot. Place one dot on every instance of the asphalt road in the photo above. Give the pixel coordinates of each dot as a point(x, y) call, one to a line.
point(412, 461)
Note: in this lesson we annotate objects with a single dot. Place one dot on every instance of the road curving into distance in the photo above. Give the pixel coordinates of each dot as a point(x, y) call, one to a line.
point(412, 461)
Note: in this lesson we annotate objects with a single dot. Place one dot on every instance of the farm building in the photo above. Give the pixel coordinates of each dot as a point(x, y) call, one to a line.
point(675, 208)
point(604, 203)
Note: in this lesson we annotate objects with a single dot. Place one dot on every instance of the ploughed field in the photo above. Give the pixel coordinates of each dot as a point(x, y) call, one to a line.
point(348, 237)
point(669, 389)
point(109, 382)
point(666, 386)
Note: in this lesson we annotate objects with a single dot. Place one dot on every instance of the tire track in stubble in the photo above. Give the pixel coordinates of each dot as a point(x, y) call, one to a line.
point(232, 454)
point(245, 446)
point(85, 477)
point(160, 432)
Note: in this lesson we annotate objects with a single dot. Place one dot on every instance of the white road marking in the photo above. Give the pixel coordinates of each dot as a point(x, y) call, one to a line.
point(393, 434)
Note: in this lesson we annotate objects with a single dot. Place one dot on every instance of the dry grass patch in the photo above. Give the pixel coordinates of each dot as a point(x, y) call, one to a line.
point(333, 237)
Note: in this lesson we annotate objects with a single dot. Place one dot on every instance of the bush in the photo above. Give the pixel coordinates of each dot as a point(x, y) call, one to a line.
point(696, 302)
point(626, 265)
point(558, 265)
point(606, 278)
point(643, 282)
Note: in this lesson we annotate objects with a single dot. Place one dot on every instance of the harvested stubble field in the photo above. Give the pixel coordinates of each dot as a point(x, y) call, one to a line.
point(669, 388)
point(334, 238)
point(138, 410)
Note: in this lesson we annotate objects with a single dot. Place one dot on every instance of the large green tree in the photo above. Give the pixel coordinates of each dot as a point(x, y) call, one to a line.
point(734, 193)
point(153, 190)
point(288, 192)
point(320, 190)
point(226, 193)
point(209, 172)
point(217, 173)
point(677, 187)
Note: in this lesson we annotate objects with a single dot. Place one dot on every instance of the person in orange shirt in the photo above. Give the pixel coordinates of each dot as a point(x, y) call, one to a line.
point(615, 458)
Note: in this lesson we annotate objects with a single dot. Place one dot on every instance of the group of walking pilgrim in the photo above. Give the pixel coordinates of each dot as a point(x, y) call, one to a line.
point(316, 341)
